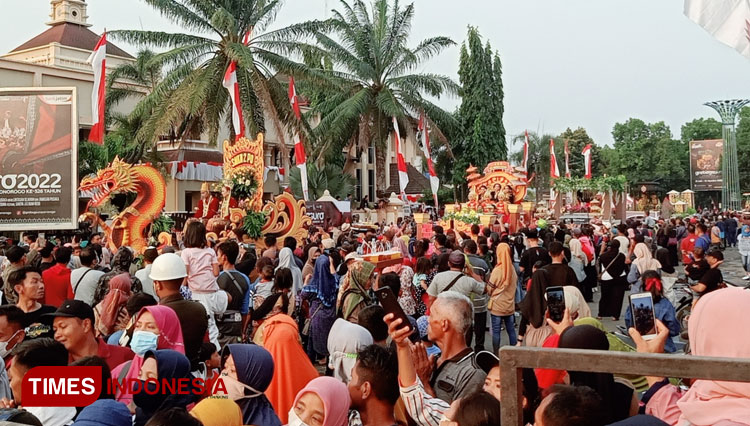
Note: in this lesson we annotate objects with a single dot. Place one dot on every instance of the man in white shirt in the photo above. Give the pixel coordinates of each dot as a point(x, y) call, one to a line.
point(143, 274)
point(85, 279)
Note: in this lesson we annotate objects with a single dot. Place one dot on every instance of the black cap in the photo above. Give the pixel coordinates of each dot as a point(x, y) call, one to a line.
point(716, 254)
point(74, 309)
point(486, 361)
point(457, 259)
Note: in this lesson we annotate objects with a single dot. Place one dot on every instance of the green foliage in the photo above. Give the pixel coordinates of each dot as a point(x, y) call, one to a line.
point(377, 77)
point(331, 177)
point(445, 196)
point(244, 185)
point(700, 129)
point(577, 140)
point(482, 136)
point(253, 224)
point(538, 162)
point(470, 217)
point(743, 149)
point(161, 224)
point(615, 184)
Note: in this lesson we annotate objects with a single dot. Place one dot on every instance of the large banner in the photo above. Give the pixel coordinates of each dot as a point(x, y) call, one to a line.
point(38, 159)
point(705, 164)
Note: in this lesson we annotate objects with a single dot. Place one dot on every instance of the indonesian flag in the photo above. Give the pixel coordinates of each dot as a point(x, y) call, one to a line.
point(231, 84)
point(299, 147)
point(434, 181)
point(98, 61)
point(727, 20)
point(587, 160)
point(567, 159)
point(554, 171)
point(403, 177)
point(525, 162)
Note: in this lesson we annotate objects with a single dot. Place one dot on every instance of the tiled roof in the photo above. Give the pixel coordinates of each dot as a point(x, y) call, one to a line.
point(418, 183)
point(72, 35)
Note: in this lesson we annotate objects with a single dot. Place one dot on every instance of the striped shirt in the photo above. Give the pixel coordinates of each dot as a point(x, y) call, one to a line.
point(426, 410)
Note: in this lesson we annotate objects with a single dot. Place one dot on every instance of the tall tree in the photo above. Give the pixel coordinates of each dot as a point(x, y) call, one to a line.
point(482, 136)
point(377, 78)
point(743, 149)
point(700, 129)
point(577, 140)
point(195, 63)
point(538, 163)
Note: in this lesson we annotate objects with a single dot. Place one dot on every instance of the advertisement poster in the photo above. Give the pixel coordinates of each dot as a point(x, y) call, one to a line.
point(705, 164)
point(38, 159)
point(327, 213)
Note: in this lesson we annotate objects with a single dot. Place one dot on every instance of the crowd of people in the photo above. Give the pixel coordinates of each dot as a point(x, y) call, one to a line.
point(294, 334)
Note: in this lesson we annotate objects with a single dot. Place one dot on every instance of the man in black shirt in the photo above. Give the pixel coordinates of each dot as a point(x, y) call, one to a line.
point(233, 322)
point(27, 284)
point(559, 274)
point(712, 279)
point(532, 254)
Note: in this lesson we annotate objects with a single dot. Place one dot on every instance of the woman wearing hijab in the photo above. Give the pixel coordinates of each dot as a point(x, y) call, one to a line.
point(620, 400)
point(643, 262)
point(217, 411)
point(400, 245)
point(612, 281)
point(324, 401)
point(120, 265)
point(275, 304)
point(156, 327)
point(312, 255)
point(502, 307)
point(161, 365)
point(708, 402)
point(353, 292)
point(110, 314)
point(743, 245)
point(286, 260)
point(321, 292)
point(246, 374)
point(344, 343)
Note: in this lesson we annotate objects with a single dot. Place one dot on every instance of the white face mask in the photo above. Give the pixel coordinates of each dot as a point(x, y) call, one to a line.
point(235, 390)
point(4, 345)
point(294, 420)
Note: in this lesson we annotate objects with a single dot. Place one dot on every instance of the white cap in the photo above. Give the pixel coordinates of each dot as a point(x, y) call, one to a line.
point(352, 256)
point(168, 266)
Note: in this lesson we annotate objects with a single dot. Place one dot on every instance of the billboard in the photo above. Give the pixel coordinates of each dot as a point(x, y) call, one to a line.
point(705, 164)
point(38, 159)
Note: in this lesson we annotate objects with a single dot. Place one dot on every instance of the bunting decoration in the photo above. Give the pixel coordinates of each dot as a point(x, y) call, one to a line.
point(403, 177)
point(98, 61)
point(587, 161)
point(299, 146)
point(434, 180)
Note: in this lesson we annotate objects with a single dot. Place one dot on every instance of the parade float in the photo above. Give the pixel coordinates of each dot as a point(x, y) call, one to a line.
point(142, 223)
point(594, 197)
point(495, 195)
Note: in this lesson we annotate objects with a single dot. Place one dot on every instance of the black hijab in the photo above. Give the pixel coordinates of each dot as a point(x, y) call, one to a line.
point(534, 305)
point(662, 255)
point(611, 259)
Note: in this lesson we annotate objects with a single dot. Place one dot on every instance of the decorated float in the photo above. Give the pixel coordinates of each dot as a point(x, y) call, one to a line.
point(142, 224)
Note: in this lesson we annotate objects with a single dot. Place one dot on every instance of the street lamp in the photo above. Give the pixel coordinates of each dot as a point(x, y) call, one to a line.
point(730, 189)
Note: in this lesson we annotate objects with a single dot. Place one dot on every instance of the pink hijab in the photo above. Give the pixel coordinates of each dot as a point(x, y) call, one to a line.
point(399, 244)
point(335, 397)
point(709, 402)
point(170, 337)
point(117, 296)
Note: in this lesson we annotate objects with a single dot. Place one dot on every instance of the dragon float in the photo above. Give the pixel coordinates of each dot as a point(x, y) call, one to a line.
point(130, 227)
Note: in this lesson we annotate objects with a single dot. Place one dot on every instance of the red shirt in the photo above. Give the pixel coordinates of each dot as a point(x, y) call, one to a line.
point(688, 244)
point(113, 355)
point(57, 288)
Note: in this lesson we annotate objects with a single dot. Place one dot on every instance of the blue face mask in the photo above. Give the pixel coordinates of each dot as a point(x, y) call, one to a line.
point(143, 341)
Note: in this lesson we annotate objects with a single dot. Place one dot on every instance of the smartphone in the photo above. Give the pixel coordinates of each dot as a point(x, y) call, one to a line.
point(390, 305)
point(556, 303)
point(642, 309)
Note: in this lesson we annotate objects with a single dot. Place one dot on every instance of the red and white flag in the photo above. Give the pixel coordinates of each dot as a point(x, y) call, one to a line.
point(299, 146)
point(98, 61)
point(233, 87)
point(403, 176)
point(434, 180)
point(567, 159)
point(525, 161)
point(554, 171)
point(587, 160)
point(727, 20)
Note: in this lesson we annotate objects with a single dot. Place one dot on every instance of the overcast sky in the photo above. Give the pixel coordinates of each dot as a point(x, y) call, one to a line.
point(571, 63)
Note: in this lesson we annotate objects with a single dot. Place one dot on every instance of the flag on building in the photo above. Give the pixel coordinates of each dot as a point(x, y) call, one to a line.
point(434, 181)
point(587, 161)
point(233, 87)
point(98, 61)
point(554, 171)
point(727, 20)
point(403, 177)
point(567, 159)
point(525, 162)
point(299, 146)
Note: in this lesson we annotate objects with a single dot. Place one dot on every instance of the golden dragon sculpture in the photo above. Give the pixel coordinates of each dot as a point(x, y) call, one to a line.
point(130, 227)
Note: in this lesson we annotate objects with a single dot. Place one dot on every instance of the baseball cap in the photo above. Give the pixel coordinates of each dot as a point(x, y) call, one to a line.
point(457, 259)
point(74, 309)
point(486, 361)
point(351, 256)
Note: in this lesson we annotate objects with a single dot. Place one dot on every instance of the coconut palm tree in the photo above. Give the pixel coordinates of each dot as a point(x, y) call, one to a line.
point(190, 93)
point(330, 177)
point(377, 78)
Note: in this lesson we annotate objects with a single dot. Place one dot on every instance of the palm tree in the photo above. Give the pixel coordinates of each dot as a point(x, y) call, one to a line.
point(331, 177)
point(538, 162)
point(191, 94)
point(375, 72)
